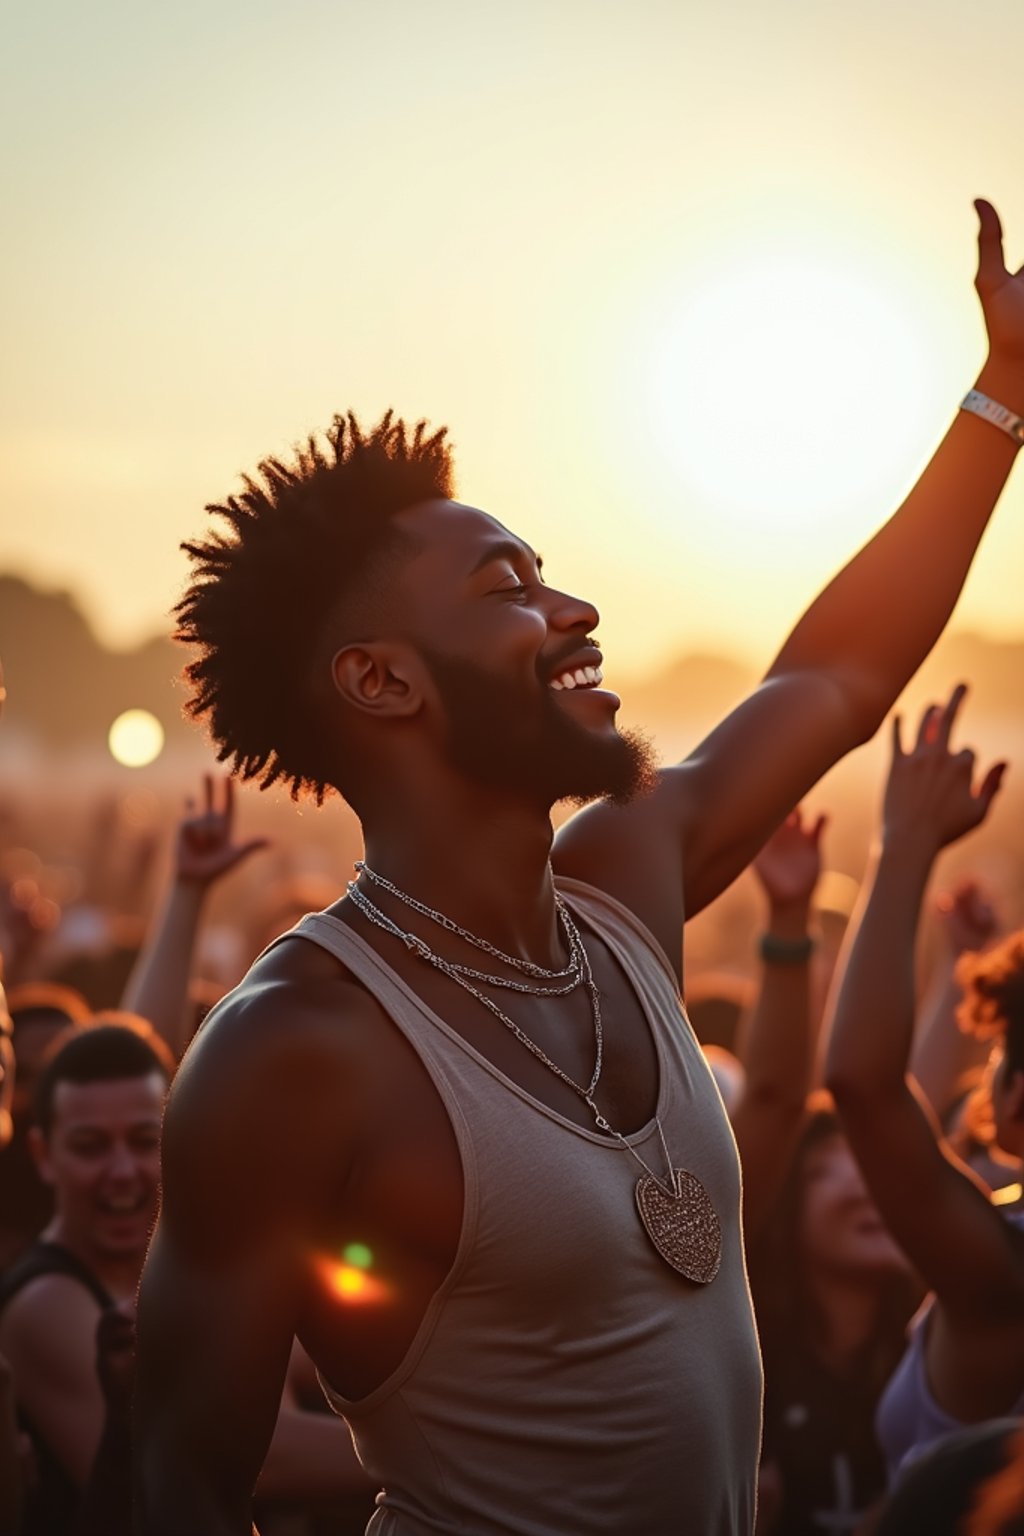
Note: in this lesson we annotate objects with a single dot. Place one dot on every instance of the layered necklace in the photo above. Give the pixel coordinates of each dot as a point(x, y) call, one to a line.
point(676, 1213)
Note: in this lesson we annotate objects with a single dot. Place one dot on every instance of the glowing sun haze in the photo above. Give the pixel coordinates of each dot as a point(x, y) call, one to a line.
point(691, 285)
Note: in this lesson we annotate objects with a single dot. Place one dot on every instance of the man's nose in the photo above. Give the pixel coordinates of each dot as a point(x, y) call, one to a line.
point(568, 612)
point(123, 1162)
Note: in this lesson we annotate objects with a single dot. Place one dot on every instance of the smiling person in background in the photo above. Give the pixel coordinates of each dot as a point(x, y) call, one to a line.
point(96, 1139)
point(473, 1071)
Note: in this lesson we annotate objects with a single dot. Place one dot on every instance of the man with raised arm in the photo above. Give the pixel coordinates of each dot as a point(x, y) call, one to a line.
point(455, 1132)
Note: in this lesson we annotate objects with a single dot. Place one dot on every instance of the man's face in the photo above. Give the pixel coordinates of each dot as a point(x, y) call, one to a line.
point(102, 1158)
point(513, 662)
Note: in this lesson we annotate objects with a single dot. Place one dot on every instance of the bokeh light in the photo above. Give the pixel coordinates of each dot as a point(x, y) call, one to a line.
point(349, 1279)
point(136, 738)
point(358, 1255)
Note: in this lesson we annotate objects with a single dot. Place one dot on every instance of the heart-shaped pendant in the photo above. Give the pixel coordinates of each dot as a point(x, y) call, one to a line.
point(683, 1226)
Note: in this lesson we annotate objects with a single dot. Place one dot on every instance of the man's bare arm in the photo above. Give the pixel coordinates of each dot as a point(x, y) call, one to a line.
point(838, 673)
point(222, 1290)
point(49, 1337)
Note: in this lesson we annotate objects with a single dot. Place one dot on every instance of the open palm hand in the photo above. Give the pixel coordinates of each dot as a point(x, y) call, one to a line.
point(930, 797)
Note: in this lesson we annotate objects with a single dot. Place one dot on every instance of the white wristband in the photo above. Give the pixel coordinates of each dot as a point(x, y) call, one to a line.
point(998, 415)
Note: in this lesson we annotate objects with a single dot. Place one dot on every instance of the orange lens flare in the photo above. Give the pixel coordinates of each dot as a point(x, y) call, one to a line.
point(355, 1287)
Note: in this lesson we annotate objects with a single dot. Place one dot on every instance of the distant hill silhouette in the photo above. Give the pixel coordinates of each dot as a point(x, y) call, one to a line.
point(64, 687)
point(685, 699)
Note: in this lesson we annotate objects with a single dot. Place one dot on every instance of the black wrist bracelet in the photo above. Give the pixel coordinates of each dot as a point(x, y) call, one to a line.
point(776, 951)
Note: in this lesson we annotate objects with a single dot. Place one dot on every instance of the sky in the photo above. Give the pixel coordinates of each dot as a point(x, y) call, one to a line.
point(689, 283)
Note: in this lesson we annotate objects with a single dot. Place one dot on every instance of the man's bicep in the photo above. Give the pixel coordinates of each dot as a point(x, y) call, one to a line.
point(214, 1335)
point(743, 779)
point(220, 1293)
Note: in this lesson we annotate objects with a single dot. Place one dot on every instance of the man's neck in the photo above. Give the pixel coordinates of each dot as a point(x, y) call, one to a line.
point(488, 869)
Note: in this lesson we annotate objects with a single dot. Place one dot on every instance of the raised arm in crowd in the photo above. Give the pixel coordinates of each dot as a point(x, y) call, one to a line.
point(965, 1361)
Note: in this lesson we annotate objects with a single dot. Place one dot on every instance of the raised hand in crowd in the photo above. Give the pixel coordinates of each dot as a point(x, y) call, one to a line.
point(965, 1361)
point(777, 1046)
point(970, 917)
point(205, 846)
point(205, 850)
point(945, 1058)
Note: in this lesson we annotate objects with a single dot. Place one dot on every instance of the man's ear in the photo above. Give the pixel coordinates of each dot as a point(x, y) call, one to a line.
point(378, 679)
point(37, 1145)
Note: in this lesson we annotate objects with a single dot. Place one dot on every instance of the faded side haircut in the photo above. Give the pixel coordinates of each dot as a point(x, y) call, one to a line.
point(117, 1047)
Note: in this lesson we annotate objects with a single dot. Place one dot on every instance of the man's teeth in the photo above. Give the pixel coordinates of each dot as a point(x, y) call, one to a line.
point(583, 677)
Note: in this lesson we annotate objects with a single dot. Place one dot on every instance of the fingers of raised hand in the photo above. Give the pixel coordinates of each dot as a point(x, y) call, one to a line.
point(927, 727)
point(962, 763)
point(991, 785)
point(211, 826)
point(947, 716)
point(936, 724)
point(991, 262)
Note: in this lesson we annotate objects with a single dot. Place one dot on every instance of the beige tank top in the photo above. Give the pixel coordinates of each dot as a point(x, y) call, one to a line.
point(564, 1380)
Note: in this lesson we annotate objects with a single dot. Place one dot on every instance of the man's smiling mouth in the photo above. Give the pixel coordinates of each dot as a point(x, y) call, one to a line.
point(578, 677)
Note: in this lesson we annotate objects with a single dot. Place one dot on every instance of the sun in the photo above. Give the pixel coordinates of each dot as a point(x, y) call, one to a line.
point(790, 387)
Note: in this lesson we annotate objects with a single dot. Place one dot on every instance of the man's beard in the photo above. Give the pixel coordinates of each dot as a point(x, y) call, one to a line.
point(504, 737)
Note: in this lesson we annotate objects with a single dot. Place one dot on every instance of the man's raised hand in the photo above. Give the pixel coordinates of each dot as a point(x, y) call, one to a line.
point(1001, 291)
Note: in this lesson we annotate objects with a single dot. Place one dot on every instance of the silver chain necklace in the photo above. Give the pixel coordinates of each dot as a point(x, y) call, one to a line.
point(527, 967)
point(677, 1215)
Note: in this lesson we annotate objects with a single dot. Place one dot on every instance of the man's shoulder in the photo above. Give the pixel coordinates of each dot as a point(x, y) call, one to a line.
point(288, 1049)
point(49, 1318)
point(295, 997)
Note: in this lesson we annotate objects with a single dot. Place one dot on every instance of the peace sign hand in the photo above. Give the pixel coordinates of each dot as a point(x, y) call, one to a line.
point(930, 799)
point(205, 850)
point(1001, 291)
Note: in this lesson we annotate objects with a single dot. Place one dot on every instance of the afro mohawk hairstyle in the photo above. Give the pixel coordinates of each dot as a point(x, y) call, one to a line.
point(300, 540)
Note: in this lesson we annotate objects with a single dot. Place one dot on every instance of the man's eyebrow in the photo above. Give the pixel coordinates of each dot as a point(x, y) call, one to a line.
point(506, 549)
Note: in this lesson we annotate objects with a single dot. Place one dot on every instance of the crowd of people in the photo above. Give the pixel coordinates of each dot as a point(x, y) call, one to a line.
point(886, 1304)
point(443, 1217)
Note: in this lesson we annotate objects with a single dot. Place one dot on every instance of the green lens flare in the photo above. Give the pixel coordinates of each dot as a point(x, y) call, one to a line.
point(358, 1255)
